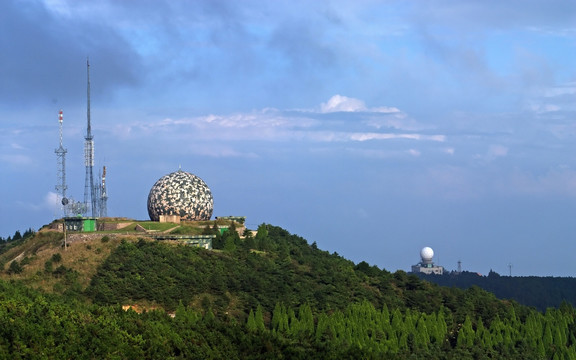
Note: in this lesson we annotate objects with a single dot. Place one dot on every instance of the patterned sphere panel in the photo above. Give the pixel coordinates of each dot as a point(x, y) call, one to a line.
point(180, 193)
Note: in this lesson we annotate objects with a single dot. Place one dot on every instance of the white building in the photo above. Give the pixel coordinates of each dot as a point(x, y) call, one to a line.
point(427, 266)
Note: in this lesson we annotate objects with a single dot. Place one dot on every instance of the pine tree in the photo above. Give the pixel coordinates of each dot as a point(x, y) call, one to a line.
point(259, 318)
point(441, 327)
point(229, 244)
point(421, 338)
point(251, 322)
point(306, 319)
point(466, 334)
point(323, 332)
point(279, 321)
point(481, 339)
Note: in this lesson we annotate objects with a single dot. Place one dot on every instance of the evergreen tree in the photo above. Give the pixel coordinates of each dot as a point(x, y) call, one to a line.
point(249, 242)
point(262, 241)
point(306, 320)
point(466, 334)
point(229, 244)
point(259, 318)
point(251, 322)
point(421, 336)
point(481, 339)
point(279, 321)
point(28, 233)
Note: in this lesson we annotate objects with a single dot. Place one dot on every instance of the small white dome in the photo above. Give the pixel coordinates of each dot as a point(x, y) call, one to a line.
point(426, 254)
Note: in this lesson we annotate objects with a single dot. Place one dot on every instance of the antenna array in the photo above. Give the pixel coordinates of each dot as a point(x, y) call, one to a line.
point(90, 196)
point(95, 196)
point(103, 195)
point(61, 186)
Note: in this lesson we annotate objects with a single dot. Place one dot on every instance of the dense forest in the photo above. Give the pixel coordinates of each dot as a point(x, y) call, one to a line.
point(540, 292)
point(272, 295)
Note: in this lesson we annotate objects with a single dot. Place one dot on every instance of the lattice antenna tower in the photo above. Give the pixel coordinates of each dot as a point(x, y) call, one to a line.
point(90, 198)
point(61, 186)
point(103, 195)
point(96, 195)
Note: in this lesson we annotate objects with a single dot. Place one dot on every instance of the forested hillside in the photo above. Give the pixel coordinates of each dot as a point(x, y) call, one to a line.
point(540, 292)
point(269, 296)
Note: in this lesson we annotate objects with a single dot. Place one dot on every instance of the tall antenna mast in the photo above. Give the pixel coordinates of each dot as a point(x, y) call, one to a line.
point(103, 195)
point(89, 193)
point(61, 186)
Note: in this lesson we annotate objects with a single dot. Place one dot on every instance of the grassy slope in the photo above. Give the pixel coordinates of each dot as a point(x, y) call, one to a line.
point(83, 254)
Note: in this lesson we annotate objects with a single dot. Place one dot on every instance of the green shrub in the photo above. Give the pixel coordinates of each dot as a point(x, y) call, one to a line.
point(15, 268)
point(48, 268)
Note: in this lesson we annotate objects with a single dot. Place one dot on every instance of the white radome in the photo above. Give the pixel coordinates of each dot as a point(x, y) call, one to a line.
point(426, 254)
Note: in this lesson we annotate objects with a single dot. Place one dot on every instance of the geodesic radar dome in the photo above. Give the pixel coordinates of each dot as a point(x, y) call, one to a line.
point(183, 194)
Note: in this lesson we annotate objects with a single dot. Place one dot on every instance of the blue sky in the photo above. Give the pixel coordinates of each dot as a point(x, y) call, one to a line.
point(374, 128)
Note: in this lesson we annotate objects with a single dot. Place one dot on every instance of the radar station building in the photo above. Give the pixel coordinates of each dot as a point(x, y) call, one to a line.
point(427, 266)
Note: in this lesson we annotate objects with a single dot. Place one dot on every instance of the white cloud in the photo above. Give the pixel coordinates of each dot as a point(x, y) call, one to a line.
point(269, 125)
point(341, 136)
point(381, 153)
point(493, 152)
point(553, 99)
point(566, 89)
point(544, 108)
point(497, 151)
point(58, 6)
point(342, 103)
point(16, 159)
point(556, 181)
point(17, 146)
point(222, 152)
point(387, 136)
point(339, 103)
point(49, 202)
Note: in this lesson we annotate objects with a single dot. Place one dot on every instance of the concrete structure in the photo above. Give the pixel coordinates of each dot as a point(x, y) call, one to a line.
point(203, 241)
point(238, 219)
point(169, 219)
point(427, 266)
point(83, 224)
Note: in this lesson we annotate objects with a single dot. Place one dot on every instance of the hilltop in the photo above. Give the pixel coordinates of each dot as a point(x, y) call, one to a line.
point(265, 294)
point(50, 259)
